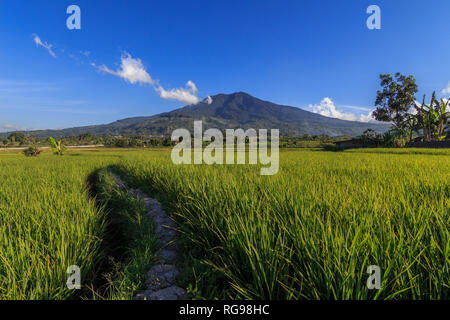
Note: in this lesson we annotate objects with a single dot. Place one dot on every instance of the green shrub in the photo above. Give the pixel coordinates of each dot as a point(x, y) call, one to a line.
point(400, 142)
point(395, 138)
point(32, 152)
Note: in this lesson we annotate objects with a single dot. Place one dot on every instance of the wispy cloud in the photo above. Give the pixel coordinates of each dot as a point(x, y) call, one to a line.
point(44, 44)
point(355, 108)
point(133, 71)
point(9, 87)
point(327, 108)
point(7, 82)
point(77, 111)
point(446, 90)
point(13, 127)
point(9, 126)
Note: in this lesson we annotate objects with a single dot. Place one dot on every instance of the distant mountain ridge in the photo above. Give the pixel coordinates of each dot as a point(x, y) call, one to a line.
point(227, 111)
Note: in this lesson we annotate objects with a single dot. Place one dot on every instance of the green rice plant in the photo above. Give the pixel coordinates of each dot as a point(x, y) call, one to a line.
point(308, 232)
point(49, 221)
point(311, 231)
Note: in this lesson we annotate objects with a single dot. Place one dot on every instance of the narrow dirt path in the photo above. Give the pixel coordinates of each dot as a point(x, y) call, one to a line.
point(161, 279)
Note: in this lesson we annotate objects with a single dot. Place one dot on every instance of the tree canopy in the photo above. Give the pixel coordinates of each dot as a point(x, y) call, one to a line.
point(396, 98)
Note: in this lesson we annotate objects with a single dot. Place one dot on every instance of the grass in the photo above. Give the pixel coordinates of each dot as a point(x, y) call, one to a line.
point(308, 232)
point(48, 221)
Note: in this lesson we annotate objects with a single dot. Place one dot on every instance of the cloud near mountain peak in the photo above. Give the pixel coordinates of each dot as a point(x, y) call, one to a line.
point(133, 71)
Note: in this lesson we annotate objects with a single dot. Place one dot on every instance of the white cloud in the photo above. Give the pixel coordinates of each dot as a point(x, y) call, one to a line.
point(15, 86)
point(192, 86)
point(10, 127)
point(186, 95)
point(133, 71)
point(356, 108)
point(366, 118)
point(45, 45)
point(447, 89)
point(327, 108)
point(209, 100)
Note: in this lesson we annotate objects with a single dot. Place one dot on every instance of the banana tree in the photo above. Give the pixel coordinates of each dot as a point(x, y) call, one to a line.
point(426, 117)
point(442, 115)
point(412, 125)
point(57, 146)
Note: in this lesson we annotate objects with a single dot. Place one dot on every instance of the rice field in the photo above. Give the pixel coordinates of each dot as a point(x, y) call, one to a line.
point(308, 232)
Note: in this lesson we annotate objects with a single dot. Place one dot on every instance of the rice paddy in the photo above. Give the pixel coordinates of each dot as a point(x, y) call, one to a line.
point(308, 232)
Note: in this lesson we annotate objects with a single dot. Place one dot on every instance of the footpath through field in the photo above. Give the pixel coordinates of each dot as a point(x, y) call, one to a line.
point(161, 279)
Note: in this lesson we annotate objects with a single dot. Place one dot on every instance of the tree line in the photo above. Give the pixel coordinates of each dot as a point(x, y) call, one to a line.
point(20, 139)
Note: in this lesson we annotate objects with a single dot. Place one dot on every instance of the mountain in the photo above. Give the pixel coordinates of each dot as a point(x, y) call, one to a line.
point(227, 111)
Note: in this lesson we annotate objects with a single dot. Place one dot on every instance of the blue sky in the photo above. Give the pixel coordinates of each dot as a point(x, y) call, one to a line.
point(316, 55)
